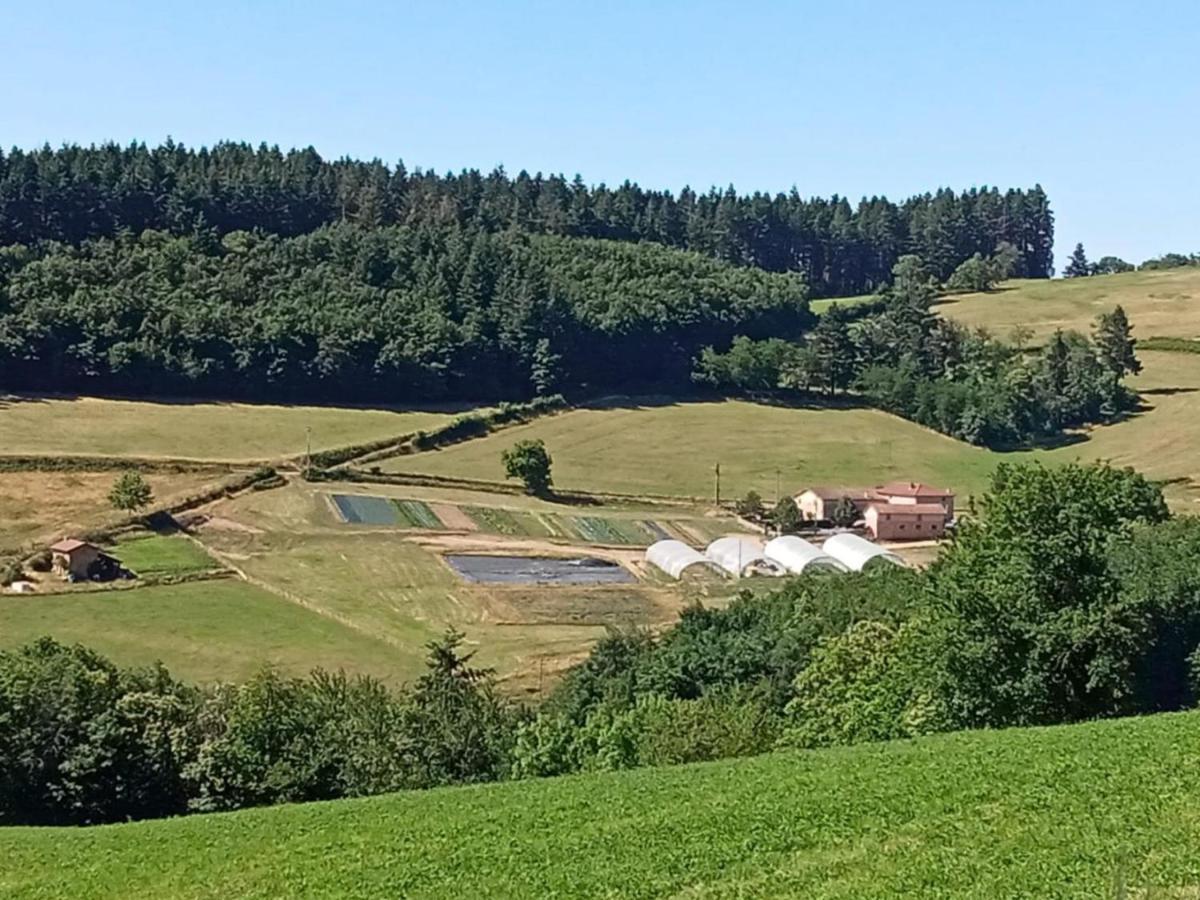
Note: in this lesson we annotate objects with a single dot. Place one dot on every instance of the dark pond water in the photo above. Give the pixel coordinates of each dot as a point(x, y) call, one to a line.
point(537, 570)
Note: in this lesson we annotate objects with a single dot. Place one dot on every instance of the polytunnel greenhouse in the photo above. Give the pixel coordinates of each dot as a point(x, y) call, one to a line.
point(676, 557)
point(742, 556)
point(857, 553)
point(798, 555)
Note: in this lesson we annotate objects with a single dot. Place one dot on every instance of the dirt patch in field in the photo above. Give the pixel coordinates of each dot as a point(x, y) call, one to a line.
point(453, 517)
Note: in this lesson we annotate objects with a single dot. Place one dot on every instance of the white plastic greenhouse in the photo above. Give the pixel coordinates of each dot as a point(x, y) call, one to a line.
point(796, 555)
point(857, 553)
point(676, 557)
point(742, 556)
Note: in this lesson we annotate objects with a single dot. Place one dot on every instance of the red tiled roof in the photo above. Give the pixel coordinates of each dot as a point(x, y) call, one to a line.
point(912, 489)
point(910, 509)
point(68, 546)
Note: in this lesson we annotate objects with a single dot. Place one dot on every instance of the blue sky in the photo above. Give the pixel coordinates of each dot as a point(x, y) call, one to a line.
point(1099, 102)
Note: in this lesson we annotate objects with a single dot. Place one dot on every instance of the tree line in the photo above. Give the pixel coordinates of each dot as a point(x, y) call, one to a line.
point(1078, 265)
point(73, 194)
point(395, 314)
point(1073, 595)
point(896, 354)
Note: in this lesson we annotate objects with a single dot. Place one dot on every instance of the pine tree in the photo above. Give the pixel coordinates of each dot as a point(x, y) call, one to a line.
point(1115, 343)
point(1079, 265)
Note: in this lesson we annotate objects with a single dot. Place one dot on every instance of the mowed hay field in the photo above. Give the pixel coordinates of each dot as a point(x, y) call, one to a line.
point(1164, 303)
point(89, 426)
point(1106, 809)
point(671, 448)
point(46, 506)
point(216, 630)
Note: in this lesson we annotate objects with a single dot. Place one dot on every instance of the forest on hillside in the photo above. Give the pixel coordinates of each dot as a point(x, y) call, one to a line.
point(390, 314)
point(842, 248)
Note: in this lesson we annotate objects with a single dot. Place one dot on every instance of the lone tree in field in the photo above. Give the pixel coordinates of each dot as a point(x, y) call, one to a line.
point(528, 461)
point(1113, 336)
point(130, 492)
point(1079, 265)
point(786, 516)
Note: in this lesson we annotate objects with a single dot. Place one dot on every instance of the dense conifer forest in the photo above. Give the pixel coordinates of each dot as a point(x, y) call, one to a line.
point(843, 248)
point(235, 271)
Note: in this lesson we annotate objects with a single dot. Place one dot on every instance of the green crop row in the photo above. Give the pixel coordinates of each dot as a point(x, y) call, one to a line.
point(416, 514)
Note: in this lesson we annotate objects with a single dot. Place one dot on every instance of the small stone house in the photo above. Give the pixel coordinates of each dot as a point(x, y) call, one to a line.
point(72, 558)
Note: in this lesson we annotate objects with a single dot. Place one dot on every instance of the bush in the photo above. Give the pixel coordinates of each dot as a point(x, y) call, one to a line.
point(11, 571)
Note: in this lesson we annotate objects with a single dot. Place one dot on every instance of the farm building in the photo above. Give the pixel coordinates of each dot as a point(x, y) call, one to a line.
point(899, 510)
point(856, 553)
point(797, 555)
point(906, 522)
point(742, 556)
point(911, 493)
point(72, 558)
point(676, 558)
point(815, 503)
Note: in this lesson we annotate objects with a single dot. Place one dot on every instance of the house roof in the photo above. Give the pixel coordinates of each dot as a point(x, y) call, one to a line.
point(70, 545)
point(909, 510)
point(912, 489)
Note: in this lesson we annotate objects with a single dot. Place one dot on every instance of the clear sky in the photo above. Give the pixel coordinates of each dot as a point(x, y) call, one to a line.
point(1097, 101)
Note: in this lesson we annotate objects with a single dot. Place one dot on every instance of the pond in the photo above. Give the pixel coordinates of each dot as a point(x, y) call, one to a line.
point(537, 570)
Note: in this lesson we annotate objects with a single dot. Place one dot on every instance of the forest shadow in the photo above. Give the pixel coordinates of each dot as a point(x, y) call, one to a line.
point(447, 407)
point(1168, 391)
point(785, 401)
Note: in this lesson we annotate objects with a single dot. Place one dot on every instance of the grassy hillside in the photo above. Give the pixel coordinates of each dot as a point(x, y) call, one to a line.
point(226, 431)
point(1159, 303)
point(1077, 811)
point(671, 448)
point(45, 506)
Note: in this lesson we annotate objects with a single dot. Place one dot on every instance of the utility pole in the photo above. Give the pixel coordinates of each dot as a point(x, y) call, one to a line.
point(717, 470)
point(307, 448)
point(777, 483)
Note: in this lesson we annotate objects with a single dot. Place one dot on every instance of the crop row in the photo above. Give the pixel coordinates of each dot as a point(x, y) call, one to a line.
point(516, 523)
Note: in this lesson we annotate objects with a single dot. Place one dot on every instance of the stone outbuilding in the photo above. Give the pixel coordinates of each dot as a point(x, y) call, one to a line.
point(73, 558)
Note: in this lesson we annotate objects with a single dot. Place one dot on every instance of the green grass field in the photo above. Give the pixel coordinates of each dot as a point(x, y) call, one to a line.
point(155, 554)
point(219, 630)
point(1107, 809)
point(215, 431)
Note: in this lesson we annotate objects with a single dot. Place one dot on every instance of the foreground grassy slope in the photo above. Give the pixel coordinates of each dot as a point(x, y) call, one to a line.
point(226, 431)
point(1063, 812)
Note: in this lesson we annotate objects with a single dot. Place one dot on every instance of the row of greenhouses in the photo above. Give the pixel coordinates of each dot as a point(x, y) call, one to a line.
point(741, 556)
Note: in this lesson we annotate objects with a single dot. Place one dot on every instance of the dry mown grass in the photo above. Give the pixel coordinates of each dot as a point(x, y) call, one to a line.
point(36, 507)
